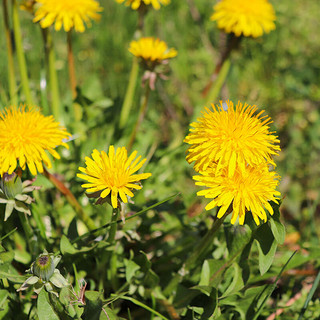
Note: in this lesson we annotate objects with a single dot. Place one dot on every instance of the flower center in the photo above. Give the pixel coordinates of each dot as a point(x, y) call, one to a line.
point(43, 261)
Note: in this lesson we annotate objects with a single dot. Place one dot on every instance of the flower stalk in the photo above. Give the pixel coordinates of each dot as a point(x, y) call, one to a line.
point(11, 72)
point(142, 113)
point(72, 77)
point(27, 229)
point(72, 71)
point(20, 53)
point(222, 67)
point(71, 199)
point(218, 82)
point(128, 98)
point(197, 254)
point(113, 225)
point(53, 79)
point(113, 254)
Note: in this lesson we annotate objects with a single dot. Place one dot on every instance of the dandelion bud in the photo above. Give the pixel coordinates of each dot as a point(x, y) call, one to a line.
point(43, 267)
point(11, 185)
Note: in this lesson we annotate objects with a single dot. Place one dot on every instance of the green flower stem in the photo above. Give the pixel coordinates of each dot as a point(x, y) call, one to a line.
point(108, 263)
point(218, 83)
point(199, 252)
point(72, 70)
point(72, 76)
point(142, 11)
point(27, 230)
point(113, 255)
point(71, 199)
point(20, 53)
point(232, 43)
point(113, 225)
point(142, 113)
point(128, 99)
point(129, 96)
point(53, 79)
point(11, 73)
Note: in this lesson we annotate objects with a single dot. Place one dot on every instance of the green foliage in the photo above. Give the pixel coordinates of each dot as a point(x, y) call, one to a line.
point(243, 272)
point(45, 310)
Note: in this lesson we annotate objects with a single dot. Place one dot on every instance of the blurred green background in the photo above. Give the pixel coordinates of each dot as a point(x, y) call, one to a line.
point(279, 72)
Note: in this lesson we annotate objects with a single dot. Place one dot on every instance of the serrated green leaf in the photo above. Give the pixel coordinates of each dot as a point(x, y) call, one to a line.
point(66, 246)
point(267, 246)
point(237, 281)
point(205, 305)
point(93, 306)
point(211, 272)
point(237, 237)
point(108, 314)
point(6, 272)
point(184, 296)
point(3, 296)
point(4, 304)
point(278, 230)
point(6, 257)
point(45, 310)
point(151, 279)
point(131, 268)
point(143, 261)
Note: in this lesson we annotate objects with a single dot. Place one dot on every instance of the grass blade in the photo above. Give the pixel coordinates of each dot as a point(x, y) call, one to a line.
point(310, 295)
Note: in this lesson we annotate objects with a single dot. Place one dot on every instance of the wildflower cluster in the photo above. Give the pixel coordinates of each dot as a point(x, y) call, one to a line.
point(232, 149)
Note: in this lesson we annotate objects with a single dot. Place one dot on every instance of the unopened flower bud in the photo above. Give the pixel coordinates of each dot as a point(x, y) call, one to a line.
point(11, 185)
point(43, 267)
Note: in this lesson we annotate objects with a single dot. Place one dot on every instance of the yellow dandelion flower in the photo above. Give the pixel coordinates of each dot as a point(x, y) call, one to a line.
point(151, 50)
point(135, 4)
point(231, 137)
point(247, 17)
point(25, 135)
point(69, 13)
point(247, 190)
point(113, 173)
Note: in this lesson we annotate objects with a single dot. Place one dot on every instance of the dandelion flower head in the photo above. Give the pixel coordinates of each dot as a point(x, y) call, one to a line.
point(25, 136)
point(151, 50)
point(67, 13)
point(231, 136)
point(247, 17)
point(247, 190)
point(113, 173)
point(135, 4)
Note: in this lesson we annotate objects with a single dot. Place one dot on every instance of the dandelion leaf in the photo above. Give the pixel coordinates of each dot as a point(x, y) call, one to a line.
point(93, 306)
point(45, 310)
point(267, 246)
